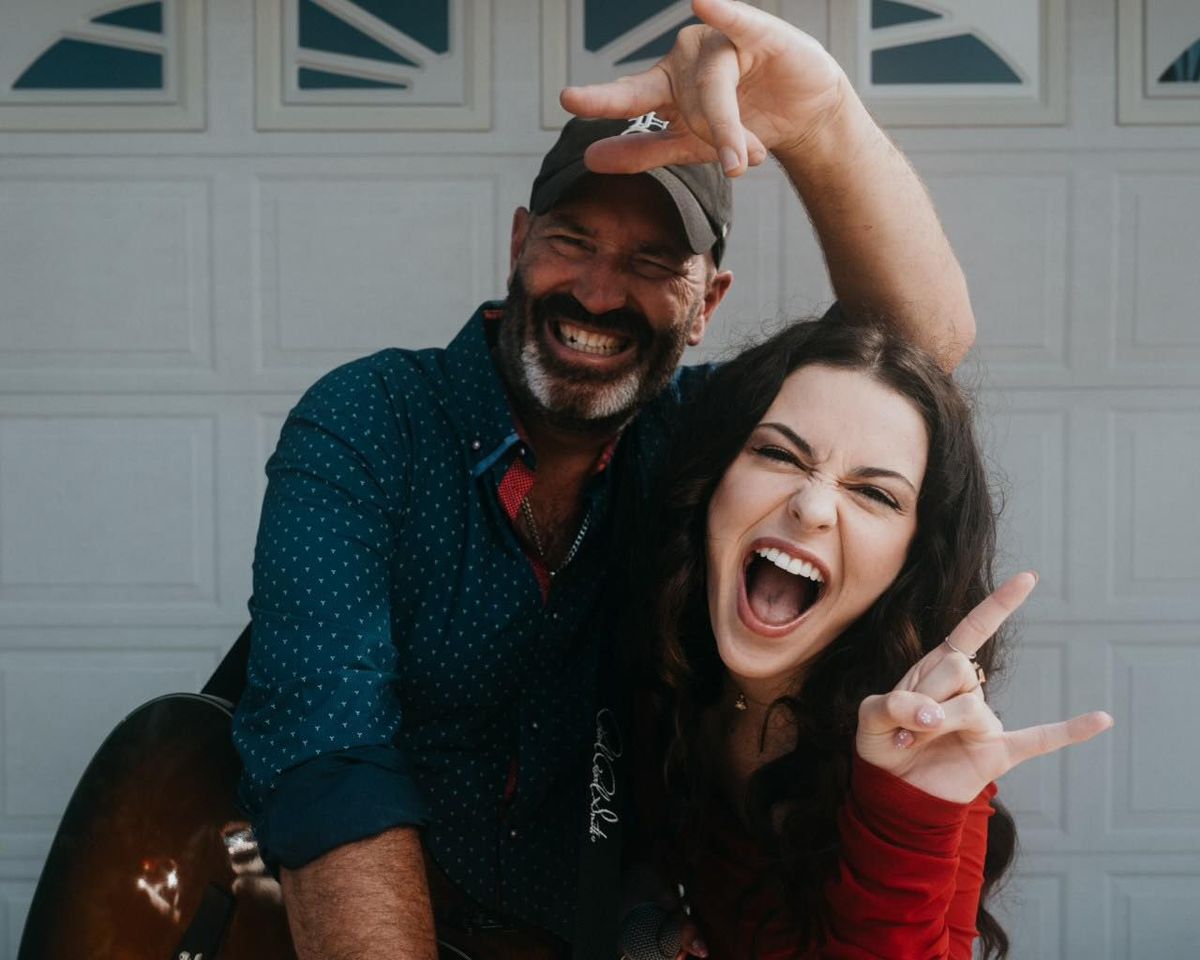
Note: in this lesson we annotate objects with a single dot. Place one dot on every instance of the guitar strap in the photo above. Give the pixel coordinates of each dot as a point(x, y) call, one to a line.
point(599, 887)
point(607, 802)
point(229, 679)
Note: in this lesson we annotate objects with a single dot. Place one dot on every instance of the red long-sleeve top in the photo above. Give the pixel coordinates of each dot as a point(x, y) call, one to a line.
point(907, 887)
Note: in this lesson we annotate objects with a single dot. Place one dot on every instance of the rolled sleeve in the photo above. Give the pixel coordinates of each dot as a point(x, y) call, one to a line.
point(318, 723)
point(336, 799)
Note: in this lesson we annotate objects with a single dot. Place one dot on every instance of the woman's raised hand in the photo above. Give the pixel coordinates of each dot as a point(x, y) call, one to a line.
point(936, 731)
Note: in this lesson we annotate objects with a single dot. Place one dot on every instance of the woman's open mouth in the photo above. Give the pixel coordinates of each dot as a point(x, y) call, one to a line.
point(778, 588)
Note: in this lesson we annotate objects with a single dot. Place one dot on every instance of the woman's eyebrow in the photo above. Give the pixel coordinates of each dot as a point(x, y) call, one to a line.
point(862, 472)
point(798, 441)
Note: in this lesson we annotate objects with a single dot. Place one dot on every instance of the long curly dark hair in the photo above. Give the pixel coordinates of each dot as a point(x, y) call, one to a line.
point(791, 802)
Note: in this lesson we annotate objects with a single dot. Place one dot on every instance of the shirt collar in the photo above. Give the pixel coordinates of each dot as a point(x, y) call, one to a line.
point(477, 394)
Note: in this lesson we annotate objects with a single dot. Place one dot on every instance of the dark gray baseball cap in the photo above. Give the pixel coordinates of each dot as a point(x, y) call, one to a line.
point(700, 192)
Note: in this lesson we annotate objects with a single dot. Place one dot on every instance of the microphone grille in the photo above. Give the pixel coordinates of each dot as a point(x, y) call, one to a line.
point(650, 933)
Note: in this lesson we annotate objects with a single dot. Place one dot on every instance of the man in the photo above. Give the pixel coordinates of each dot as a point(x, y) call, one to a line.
point(439, 525)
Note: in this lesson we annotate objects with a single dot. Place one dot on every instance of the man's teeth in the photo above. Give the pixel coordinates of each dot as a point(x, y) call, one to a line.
point(585, 341)
point(791, 564)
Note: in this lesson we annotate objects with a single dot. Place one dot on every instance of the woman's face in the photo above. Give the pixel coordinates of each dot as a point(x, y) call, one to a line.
point(812, 521)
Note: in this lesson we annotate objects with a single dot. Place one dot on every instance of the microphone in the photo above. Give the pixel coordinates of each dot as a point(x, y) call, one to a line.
point(650, 932)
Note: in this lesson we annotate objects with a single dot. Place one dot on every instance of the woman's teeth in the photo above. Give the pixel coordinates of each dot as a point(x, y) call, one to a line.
point(791, 564)
point(585, 341)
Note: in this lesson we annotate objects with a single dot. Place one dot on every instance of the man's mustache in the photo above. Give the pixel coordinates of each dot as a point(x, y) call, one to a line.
point(563, 306)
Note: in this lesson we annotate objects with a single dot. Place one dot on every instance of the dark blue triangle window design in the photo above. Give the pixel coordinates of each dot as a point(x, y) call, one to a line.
point(310, 79)
point(889, 13)
point(76, 65)
point(606, 20)
point(959, 59)
point(660, 46)
point(426, 21)
point(142, 16)
point(321, 30)
point(1186, 68)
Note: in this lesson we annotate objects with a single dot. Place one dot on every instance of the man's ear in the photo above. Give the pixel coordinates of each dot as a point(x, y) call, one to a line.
point(522, 218)
point(714, 293)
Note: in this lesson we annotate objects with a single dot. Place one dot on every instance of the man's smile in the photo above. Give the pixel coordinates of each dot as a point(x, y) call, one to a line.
point(586, 341)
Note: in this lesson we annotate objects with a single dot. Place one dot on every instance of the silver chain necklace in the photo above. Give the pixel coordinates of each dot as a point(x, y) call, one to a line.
point(539, 547)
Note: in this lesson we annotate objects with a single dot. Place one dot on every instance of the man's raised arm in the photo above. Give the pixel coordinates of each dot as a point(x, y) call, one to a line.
point(748, 84)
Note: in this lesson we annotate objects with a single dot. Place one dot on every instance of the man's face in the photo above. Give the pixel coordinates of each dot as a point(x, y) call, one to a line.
point(604, 296)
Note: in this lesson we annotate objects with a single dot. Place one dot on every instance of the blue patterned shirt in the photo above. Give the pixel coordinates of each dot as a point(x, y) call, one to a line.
point(408, 666)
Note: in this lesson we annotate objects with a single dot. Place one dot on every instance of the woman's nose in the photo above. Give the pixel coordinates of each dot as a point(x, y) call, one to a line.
point(814, 504)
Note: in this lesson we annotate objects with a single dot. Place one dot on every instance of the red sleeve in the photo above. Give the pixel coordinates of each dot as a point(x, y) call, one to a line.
point(960, 917)
point(896, 894)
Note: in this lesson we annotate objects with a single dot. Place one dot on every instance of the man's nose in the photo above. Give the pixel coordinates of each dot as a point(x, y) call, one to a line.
point(600, 286)
point(814, 504)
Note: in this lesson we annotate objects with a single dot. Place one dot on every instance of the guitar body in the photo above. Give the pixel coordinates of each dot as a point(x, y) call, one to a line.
point(153, 859)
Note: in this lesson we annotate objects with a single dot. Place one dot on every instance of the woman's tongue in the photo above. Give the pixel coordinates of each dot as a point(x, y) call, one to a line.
point(775, 596)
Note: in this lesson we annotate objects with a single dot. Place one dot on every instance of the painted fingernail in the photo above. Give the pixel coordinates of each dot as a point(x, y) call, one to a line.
point(730, 160)
point(699, 948)
point(903, 738)
point(931, 716)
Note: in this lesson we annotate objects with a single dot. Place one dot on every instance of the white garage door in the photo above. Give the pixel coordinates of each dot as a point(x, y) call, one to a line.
point(200, 213)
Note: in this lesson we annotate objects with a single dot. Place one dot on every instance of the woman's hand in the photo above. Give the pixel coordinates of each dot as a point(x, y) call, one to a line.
point(935, 730)
point(742, 84)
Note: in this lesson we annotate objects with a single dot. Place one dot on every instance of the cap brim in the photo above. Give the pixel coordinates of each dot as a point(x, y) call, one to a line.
point(696, 226)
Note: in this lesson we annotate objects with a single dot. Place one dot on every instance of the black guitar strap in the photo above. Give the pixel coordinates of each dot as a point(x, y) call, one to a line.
point(607, 802)
point(599, 888)
point(229, 679)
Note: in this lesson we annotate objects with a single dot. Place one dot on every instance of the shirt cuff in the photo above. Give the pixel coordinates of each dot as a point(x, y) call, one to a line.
point(897, 812)
point(335, 799)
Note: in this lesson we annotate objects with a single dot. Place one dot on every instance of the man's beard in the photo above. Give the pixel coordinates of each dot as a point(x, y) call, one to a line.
point(575, 398)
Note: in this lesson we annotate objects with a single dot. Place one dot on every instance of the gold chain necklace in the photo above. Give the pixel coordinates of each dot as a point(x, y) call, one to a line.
point(539, 547)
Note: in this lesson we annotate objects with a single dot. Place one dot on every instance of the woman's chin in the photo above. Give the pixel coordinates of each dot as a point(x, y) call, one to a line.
point(768, 663)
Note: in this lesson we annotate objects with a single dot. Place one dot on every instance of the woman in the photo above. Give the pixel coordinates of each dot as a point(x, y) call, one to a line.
point(827, 525)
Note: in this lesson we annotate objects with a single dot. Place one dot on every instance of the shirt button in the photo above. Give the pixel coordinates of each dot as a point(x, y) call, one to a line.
point(475, 445)
point(523, 450)
point(513, 833)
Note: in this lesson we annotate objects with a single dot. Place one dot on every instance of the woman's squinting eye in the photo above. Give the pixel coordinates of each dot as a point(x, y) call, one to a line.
point(880, 496)
point(779, 454)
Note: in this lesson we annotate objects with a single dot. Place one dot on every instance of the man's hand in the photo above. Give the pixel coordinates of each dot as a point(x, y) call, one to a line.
point(747, 83)
point(743, 84)
point(936, 731)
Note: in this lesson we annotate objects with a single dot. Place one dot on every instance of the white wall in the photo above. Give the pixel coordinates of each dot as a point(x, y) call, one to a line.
point(165, 297)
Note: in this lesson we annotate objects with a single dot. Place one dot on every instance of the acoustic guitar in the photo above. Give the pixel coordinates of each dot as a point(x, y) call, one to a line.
point(153, 859)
